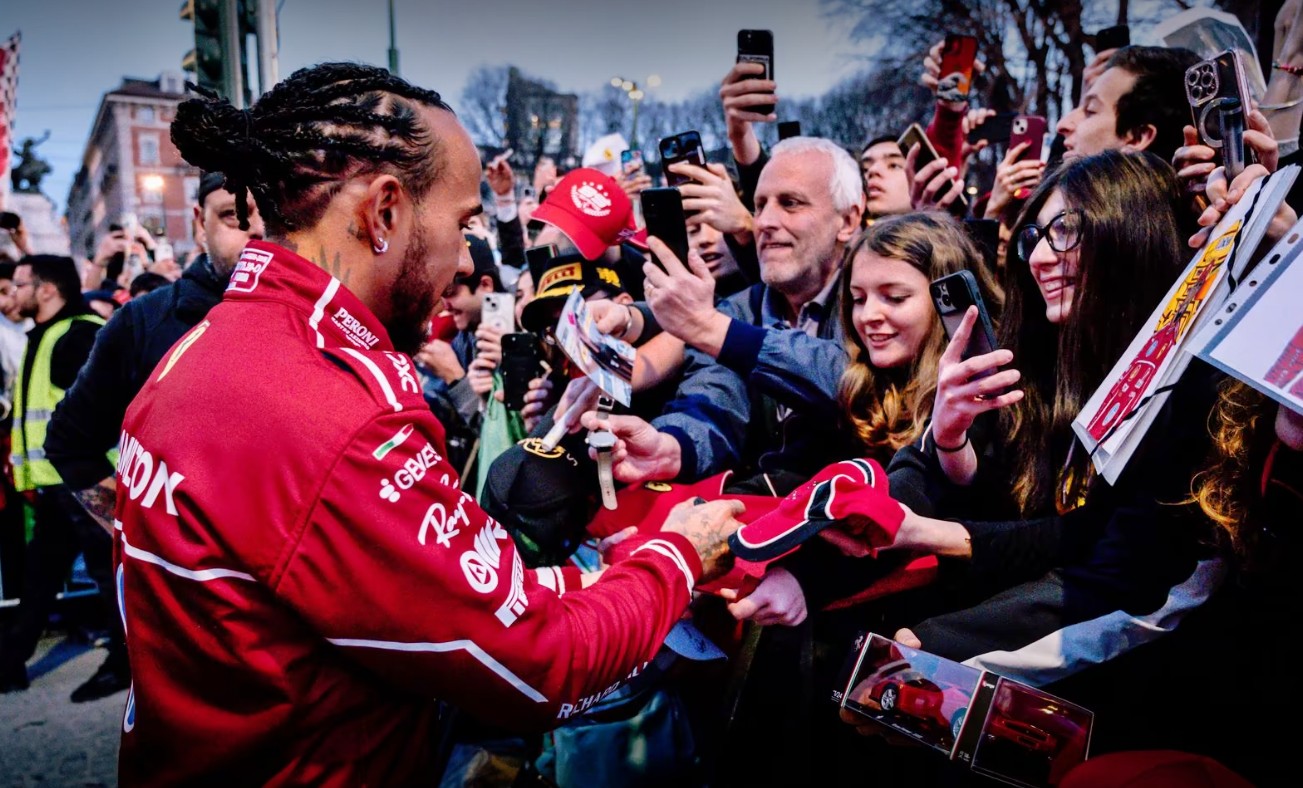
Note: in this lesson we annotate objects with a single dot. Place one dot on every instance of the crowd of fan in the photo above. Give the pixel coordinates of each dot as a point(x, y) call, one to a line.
point(800, 332)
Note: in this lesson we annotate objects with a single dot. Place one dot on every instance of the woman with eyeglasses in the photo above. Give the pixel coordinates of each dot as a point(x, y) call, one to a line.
point(1048, 570)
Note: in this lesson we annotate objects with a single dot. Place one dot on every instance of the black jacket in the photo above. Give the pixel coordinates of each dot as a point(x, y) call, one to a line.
point(87, 422)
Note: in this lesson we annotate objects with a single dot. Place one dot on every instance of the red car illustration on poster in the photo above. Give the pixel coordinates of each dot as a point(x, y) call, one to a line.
point(1126, 393)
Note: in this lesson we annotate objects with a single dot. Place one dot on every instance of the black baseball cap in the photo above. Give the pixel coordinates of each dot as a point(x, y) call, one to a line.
point(545, 499)
point(209, 182)
point(483, 264)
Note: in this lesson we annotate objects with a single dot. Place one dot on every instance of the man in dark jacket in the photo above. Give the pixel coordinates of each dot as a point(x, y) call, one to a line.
point(87, 422)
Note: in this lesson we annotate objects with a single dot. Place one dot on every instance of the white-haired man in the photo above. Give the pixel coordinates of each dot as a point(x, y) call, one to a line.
point(757, 361)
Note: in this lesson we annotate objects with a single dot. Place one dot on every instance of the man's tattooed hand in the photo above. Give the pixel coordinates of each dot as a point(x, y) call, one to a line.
point(99, 502)
point(707, 526)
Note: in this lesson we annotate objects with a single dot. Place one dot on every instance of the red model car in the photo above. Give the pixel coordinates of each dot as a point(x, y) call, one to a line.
point(1024, 734)
point(902, 690)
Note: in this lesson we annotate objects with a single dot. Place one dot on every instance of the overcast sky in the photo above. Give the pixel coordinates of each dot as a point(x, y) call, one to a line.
point(75, 50)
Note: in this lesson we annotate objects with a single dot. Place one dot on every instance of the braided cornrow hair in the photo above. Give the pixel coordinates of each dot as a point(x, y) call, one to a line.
point(298, 143)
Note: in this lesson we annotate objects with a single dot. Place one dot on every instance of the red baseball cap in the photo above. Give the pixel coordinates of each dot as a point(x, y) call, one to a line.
point(592, 210)
point(851, 493)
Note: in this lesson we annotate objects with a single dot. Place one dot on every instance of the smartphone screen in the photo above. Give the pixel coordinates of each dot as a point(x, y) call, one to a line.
point(757, 46)
point(631, 161)
point(663, 211)
point(957, 56)
point(952, 295)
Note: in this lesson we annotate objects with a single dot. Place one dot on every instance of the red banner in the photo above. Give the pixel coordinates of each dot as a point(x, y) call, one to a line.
point(8, 100)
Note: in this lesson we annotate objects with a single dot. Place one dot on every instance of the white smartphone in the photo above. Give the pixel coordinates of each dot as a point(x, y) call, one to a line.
point(499, 310)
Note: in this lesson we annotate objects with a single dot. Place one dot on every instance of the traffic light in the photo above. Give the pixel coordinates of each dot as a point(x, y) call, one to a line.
point(208, 59)
point(221, 55)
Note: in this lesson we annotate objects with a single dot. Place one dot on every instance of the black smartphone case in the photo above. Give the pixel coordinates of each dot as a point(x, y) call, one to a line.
point(662, 210)
point(684, 146)
point(952, 295)
point(757, 46)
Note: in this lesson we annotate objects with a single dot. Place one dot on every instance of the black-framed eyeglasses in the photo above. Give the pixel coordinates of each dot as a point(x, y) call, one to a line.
point(1063, 233)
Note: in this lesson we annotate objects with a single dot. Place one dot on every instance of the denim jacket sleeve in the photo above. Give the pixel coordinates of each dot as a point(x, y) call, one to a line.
point(796, 369)
point(709, 413)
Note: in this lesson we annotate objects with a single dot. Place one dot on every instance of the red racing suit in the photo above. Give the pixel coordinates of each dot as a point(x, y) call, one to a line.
point(301, 578)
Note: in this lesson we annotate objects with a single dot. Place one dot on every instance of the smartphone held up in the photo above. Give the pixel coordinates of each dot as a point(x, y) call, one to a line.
point(522, 361)
point(682, 147)
point(662, 209)
point(1030, 129)
point(914, 135)
point(1217, 92)
point(952, 295)
point(958, 57)
point(757, 46)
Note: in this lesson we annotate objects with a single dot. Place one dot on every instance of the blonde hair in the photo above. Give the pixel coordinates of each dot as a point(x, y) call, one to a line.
point(1242, 433)
point(888, 409)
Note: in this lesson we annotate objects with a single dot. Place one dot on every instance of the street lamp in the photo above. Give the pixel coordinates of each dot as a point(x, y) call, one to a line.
point(636, 95)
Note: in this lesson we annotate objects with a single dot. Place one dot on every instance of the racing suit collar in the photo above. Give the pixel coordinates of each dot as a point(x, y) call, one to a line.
point(335, 316)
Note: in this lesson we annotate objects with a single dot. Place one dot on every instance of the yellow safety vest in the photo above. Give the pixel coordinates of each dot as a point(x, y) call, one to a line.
point(33, 407)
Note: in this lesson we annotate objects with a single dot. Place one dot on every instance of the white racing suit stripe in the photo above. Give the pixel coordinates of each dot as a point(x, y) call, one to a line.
point(453, 645)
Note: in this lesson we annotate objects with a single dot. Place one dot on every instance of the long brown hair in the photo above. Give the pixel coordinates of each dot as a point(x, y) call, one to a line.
point(1130, 254)
point(889, 408)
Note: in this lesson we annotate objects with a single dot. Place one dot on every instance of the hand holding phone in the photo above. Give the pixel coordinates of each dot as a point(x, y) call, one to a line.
point(914, 135)
point(962, 396)
point(958, 55)
point(1031, 130)
point(952, 295)
point(757, 46)
point(684, 146)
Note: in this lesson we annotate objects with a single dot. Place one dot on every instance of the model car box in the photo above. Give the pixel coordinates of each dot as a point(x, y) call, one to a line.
point(998, 727)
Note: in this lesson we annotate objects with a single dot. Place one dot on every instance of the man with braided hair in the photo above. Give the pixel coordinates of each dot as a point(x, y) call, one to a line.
point(301, 577)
